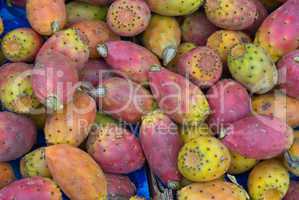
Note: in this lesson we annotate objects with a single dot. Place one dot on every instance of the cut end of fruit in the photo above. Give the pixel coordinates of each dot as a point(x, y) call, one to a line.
point(155, 68)
point(238, 51)
point(296, 59)
point(102, 50)
point(98, 92)
point(174, 185)
point(55, 26)
point(53, 103)
point(168, 54)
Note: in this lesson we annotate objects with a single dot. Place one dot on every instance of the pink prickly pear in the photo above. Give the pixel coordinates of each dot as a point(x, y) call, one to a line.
point(262, 13)
point(119, 186)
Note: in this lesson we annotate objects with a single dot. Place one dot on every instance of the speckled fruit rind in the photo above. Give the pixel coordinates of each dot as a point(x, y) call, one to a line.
point(53, 79)
point(74, 170)
point(174, 7)
point(98, 2)
point(34, 164)
point(128, 17)
point(268, 180)
point(70, 42)
point(262, 13)
point(72, 125)
point(259, 137)
point(16, 92)
point(157, 130)
point(212, 190)
point(240, 164)
point(33, 188)
point(115, 149)
point(288, 73)
point(18, 134)
point(196, 28)
point(279, 33)
point(203, 159)
point(291, 157)
point(119, 186)
point(46, 17)
point(223, 40)
point(79, 11)
point(180, 99)
point(293, 191)
point(229, 101)
point(21, 44)
point(202, 66)
point(132, 60)
point(163, 36)
point(7, 174)
point(253, 67)
point(191, 132)
point(96, 32)
point(278, 105)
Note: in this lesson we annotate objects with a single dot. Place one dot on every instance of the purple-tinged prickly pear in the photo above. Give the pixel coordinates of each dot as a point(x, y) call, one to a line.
point(157, 130)
point(7, 174)
point(119, 186)
point(262, 13)
point(129, 58)
point(259, 137)
point(18, 135)
point(202, 65)
point(293, 192)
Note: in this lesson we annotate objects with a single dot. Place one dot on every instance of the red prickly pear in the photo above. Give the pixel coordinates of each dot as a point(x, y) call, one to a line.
point(7, 174)
point(180, 99)
point(33, 188)
point(115, 149)
point(53, 79)
point(229, 101)
point(279, 33)
point(119, 186)
point(18, 135)
point(293, 192)
point(46, 17)
point(129, 58)
point(8, 69)
point(259, 137)
point(288, 73)
point(158, 130)
point(262, 13)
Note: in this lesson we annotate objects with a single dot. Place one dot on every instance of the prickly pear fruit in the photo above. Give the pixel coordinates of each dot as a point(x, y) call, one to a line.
point(196, 28)
point(212, 190)
point(189, 133)
point(124, 99)
point(252, 66)
point(74, 170)
point(72, 125)
point(180, 99)
point(16, 92)
point(158, 130)
point(268, 180)
point(222, 41)
point(115, 149)
point(6, 174)
point(98, 2)
point(53, 79)
point(94, 72)
point(128, 17)
point(46, 17)
point(70, 42)
point(96, 32)
point(293, 191)
point(259, 137)
point(229, 102)
point(240, 164)
point(291, 157)
point(34, 164)
point(18, 134)
point(119, 186)
point(174, 7)
point(262, 13)
point(79, 11)
point(33, 188)
point(202, 66)
point(129, 58)
point(21, 44)
point(279, 33)
point(288, 73)
point(277, 105)
point(163, 36)
point(203, 159)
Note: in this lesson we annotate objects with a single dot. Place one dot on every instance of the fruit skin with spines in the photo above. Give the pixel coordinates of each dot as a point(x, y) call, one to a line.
point(119, 186)
point(162, 37)
point(291, 157)
point(203, 159)
point(279, 33)
point(74, 170)
point(293, 191)
point(252, 67)
point(258, 136)
point(240, 164)
point(46, 17)
point(18, 135)
point(21, 45)
point(130, 59)
point(157, 129)
point(194, 131)
point(7, 174)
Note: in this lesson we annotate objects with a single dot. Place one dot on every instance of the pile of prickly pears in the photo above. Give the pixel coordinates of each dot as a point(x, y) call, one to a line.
point(211, 87)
